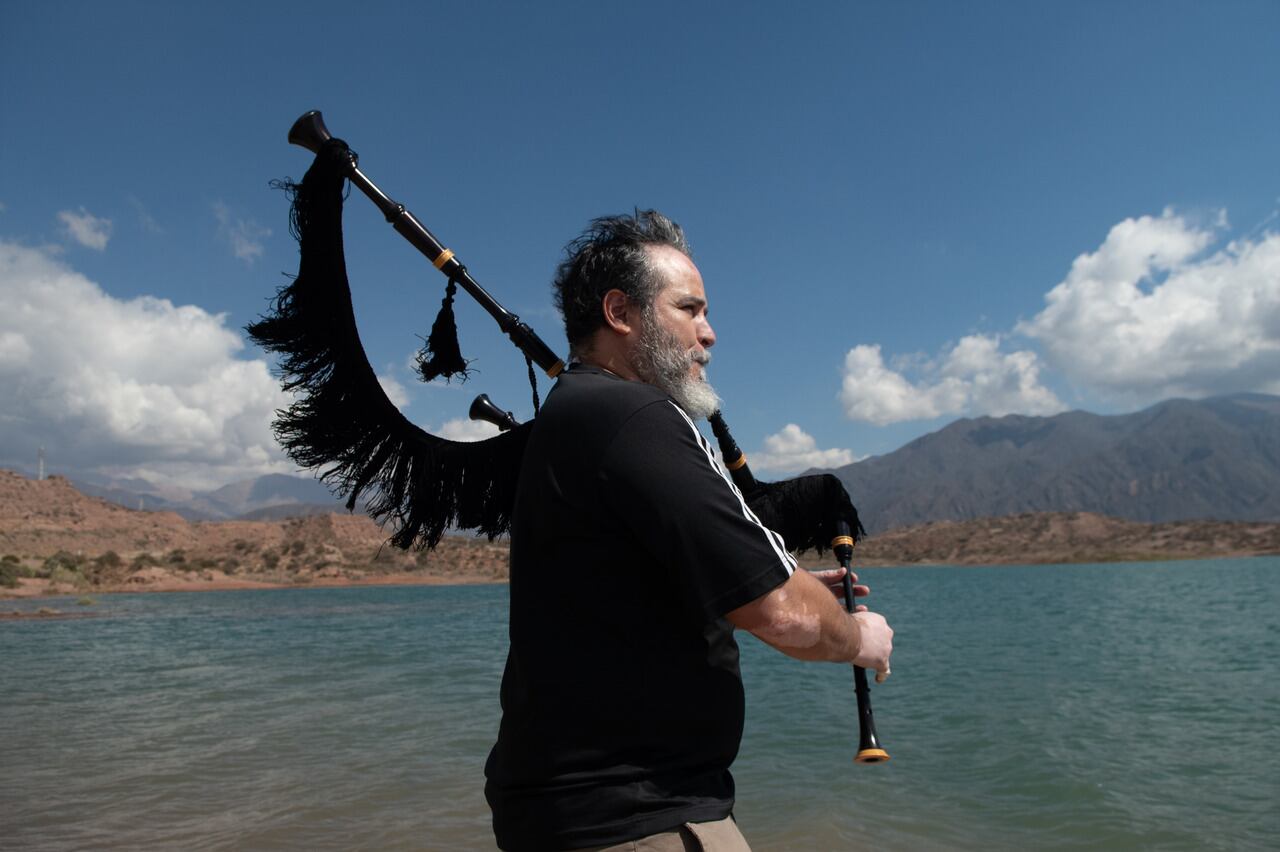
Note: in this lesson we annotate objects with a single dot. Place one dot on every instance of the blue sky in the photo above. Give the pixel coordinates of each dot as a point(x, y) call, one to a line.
point(905, 213)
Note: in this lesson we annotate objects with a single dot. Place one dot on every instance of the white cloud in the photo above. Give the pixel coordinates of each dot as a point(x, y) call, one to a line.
point(245, 236)
point(1154, 312)
point(139, 387)
point(466, 430)
point(972, 378)
point(85, 228)
point(1150, 315)
point(792, 450)
point(395, 391)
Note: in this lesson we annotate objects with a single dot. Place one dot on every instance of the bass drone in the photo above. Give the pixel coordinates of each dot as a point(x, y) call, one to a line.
point(342, 424)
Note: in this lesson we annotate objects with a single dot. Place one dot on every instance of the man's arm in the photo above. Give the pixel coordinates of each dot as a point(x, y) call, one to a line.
point(802, 619)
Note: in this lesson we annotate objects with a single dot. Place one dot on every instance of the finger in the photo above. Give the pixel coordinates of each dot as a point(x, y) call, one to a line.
point(861, 591)
point(829, 575)
point(860, 608)
point(881, 677)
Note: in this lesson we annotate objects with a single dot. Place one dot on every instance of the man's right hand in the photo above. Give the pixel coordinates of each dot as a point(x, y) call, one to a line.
point(802, 619)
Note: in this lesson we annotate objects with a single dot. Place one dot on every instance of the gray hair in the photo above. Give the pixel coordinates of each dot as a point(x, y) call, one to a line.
point(611, 254)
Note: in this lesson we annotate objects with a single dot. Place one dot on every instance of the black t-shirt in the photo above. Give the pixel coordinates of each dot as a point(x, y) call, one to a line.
point(622, 700)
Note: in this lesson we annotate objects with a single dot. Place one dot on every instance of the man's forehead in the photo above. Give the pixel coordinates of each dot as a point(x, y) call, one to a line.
point(677, 272)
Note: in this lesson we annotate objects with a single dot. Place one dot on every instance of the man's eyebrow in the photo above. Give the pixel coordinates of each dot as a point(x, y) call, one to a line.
point(685, 301)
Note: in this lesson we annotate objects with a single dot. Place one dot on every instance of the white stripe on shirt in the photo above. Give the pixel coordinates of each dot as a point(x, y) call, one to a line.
point(775, 540)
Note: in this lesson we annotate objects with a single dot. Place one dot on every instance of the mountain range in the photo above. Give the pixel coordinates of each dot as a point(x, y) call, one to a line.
point(1216, 458)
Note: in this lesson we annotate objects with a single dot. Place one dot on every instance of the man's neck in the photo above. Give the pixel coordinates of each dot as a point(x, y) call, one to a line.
point(610, 363)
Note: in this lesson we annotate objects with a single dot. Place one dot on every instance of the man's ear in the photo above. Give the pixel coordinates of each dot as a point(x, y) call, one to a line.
point(619, 312)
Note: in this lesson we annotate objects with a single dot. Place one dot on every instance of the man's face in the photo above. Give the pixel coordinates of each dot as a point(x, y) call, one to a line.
point(680, 307)
point(675, 335)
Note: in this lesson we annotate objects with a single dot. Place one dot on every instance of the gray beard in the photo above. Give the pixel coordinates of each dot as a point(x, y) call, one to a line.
point(662, 362)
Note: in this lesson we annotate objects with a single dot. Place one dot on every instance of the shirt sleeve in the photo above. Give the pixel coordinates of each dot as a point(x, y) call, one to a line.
point(661, 478)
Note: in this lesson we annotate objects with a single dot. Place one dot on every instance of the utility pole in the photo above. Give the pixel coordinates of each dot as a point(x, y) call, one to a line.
point(40, 465)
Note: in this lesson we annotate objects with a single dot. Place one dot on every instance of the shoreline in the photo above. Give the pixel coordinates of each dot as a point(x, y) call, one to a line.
point(55, 541)
point(39, 589)
point(43, 590)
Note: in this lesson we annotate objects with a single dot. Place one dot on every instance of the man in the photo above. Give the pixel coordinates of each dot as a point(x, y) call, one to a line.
point(633, 558)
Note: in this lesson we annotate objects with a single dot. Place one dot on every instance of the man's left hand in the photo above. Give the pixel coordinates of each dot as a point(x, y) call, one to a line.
point(833, 579)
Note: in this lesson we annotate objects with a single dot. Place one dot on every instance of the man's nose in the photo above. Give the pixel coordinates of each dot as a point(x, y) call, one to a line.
point(706, 335)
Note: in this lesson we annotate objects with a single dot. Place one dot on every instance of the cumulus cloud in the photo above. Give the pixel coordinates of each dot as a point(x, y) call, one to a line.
point(1153, 313)
point(972, 377)
point(85, 228)
point(394, 390)
point(466, 430)
point(137, 387)
point(793, 450)
point(245, 236)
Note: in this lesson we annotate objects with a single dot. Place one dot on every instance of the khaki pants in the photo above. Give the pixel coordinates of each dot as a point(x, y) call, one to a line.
point(719, 836)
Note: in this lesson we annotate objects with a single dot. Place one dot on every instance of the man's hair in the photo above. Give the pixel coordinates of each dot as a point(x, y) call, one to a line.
point(612, 253)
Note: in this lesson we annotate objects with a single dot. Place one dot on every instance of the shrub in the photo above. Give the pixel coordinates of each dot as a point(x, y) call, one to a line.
point(176, 556)
point(8, 575)
point(70, 576)
point(62, 560)
point(9, 557)
point(110, 559)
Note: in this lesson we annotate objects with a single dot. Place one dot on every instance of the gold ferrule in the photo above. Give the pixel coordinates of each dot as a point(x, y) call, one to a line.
point(738, 462)
point(444, 257)
point(842, 539)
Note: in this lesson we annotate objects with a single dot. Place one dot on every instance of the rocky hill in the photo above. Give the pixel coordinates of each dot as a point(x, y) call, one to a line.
point(1056, 537)
point(53, 539)
point(1180, 460)
point(53, 536)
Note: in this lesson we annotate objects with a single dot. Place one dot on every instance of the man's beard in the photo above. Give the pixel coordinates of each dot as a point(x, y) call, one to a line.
point(662, 362)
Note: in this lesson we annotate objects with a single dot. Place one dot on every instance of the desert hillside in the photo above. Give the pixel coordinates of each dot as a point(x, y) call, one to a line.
point(55, 540)
point(1053, 537)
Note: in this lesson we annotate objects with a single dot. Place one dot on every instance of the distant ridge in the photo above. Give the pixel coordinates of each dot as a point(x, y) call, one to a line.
point(1212, 459)
point(269, 497)
point(1216, 458)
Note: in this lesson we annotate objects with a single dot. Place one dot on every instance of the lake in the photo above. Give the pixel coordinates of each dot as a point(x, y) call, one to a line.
point(1115, 706)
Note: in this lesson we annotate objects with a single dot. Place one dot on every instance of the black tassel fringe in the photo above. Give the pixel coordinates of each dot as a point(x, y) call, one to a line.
point(804, 510)
point(342, 420)
point(441, 356)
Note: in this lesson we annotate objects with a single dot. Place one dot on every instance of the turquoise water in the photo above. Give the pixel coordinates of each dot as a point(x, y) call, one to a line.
point(1064, 707)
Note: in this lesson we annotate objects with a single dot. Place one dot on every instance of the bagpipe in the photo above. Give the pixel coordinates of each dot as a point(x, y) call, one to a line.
point(419, 485)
